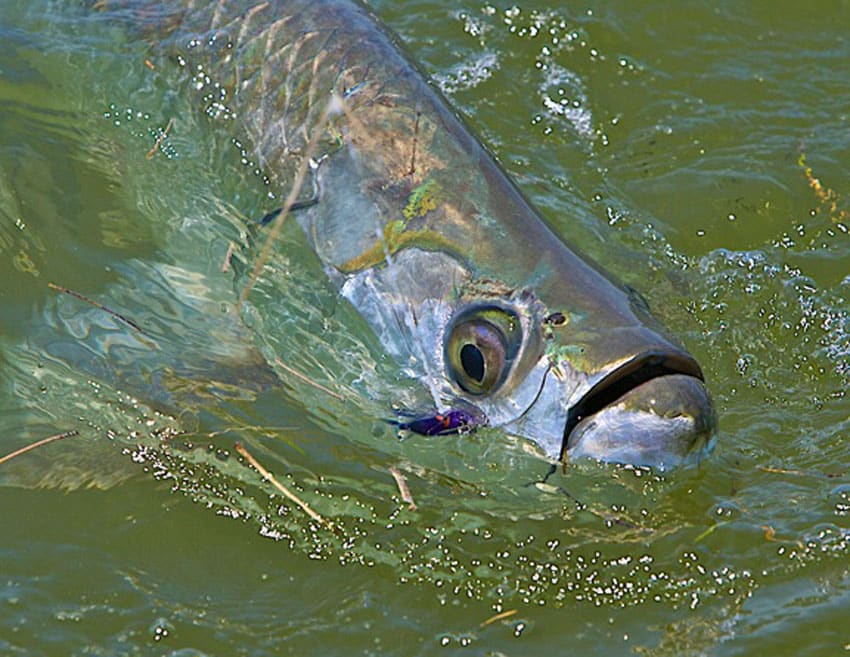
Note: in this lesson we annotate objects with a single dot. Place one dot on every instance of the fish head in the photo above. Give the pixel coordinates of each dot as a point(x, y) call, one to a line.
point(588, 373)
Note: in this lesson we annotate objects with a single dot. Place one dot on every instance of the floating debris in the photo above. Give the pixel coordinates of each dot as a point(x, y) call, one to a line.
point(308, 380)
point(268, 476)
point(99, 306)
point(498, 617)
point(37, 444)
point(160, 139)
point(402, 488)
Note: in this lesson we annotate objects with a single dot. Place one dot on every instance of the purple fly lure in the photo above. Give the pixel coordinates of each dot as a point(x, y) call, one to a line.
point(455, 420)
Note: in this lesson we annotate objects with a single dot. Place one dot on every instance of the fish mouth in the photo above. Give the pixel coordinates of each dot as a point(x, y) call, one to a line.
point(626, 381)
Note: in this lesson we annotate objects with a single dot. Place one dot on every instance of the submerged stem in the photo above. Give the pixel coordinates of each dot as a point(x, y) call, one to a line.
point(268, 476)
point(39, 443)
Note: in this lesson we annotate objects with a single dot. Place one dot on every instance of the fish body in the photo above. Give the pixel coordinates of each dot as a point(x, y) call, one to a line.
point(459, 276)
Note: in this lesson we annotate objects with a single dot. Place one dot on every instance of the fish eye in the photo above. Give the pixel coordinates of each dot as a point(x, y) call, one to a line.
point(482, 342)
point(473, 361)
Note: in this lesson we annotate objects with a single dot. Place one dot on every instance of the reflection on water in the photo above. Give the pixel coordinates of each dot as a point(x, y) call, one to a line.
point(713, 219)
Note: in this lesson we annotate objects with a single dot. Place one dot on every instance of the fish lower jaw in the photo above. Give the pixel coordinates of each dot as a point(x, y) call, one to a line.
point(664, 423)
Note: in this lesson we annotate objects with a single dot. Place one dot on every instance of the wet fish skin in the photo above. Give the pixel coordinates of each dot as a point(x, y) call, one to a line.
point(418, 225)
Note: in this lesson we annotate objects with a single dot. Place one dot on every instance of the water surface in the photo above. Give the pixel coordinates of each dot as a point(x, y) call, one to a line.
point(697, 153)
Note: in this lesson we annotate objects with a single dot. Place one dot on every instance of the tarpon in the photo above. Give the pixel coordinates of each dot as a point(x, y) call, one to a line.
point(459, 276)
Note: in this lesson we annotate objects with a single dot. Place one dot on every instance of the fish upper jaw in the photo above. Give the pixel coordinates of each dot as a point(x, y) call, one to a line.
point(654, 409)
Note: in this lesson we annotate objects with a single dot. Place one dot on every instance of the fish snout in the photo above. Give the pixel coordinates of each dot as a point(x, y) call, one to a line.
point(653, 410)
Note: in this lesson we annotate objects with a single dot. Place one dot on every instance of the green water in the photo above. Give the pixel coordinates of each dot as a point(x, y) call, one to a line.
point(670, 142)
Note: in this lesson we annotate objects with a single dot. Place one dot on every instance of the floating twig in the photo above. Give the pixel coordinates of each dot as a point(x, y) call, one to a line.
point(39, 443)
point(150, 65)
point(708, 532)
point(827, 197)
point(767, 468)
point(225, 266)
point(401, 482)
point(770, 535)
point(118, 316)
point(800, 473)
point(248, 427)
point(297, 184)
point(268, 476)
point(498, 617)
point(160, 139)
point(308, 380)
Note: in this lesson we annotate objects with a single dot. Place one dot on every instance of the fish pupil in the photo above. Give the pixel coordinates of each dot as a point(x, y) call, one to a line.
point(473, 361)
